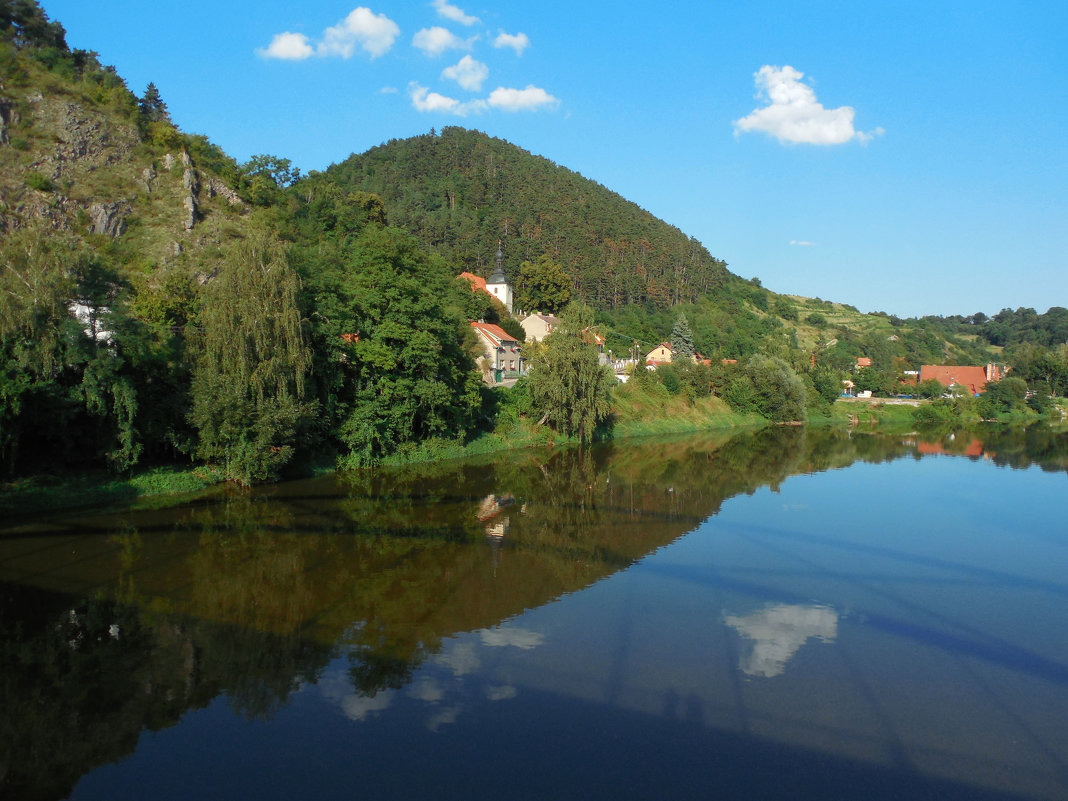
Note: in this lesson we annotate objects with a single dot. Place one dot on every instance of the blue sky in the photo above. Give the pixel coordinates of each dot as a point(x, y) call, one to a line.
point(910, 157)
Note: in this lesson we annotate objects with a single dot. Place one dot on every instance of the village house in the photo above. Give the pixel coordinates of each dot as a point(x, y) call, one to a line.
point(538, 326)
point(591, 337)
point(500, 352)
point(661, 354)
point(971, 378)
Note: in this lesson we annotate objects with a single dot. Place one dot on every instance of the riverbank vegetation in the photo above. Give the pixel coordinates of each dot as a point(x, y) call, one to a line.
point(163, 306)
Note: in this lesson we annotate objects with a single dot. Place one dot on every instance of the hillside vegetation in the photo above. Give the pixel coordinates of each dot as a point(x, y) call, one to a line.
point(460, 191)
point(160, 302)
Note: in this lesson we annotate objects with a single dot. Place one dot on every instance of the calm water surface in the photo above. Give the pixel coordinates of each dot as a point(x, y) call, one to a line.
point(781, 614)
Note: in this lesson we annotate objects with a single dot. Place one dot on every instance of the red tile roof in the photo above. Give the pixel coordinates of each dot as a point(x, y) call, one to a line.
point(494, 333)
point(972, 377)
point(476, 282)
point(863, 361)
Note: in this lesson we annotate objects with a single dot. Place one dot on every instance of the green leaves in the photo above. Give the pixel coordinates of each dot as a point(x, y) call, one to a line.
point(543, 286)
point(250, 362)
point(402, 374)
point(569, 387)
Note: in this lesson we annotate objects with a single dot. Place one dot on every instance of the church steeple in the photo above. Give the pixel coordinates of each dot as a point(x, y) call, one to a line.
point(497, 284)
point(498, 276)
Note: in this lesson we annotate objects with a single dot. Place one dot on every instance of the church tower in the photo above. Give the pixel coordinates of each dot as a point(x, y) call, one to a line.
point(497, 284)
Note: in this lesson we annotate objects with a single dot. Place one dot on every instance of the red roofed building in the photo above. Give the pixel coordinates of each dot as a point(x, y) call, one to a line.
point(661, 354)
point(477, 283)
point(500, 351)
point(972, 378)
point(863, 361)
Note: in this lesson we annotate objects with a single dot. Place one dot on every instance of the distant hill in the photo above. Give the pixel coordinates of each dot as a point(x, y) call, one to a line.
point(461, 191)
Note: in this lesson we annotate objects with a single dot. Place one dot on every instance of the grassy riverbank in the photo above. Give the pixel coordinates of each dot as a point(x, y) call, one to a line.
point(648, 412)
point(64, 491)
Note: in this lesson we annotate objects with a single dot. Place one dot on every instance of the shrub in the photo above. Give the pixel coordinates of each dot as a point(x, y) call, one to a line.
point(38, 181)
point(669, 377)
point(935, 413)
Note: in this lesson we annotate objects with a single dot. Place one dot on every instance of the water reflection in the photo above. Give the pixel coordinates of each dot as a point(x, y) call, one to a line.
point(775, 634)
point(405, 587)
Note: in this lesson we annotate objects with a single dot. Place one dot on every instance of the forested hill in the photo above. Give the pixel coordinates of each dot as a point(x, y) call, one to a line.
point(461, 191)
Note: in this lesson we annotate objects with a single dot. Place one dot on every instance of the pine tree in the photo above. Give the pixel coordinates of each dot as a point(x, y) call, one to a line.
point(681, 339)
point(152, 107)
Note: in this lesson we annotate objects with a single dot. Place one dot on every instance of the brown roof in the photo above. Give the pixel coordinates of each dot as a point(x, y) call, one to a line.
point(863, 361)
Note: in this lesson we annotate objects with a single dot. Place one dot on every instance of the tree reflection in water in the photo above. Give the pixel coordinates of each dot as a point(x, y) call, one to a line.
point(121, 623)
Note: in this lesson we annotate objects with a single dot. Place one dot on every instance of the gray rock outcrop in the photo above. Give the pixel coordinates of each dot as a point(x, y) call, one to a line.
point(108, 219)
point(9, 117)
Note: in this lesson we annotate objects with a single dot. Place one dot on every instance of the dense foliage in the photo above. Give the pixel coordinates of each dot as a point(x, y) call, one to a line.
point(570, 389)
point(159, 301)
point(461, 191)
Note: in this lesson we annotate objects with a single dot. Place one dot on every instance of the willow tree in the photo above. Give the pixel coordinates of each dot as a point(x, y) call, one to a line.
point(568, 385)
point(250, 361)
point(37, 334)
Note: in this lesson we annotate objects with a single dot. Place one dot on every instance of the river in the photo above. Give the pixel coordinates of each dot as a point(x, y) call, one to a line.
point(785, 613)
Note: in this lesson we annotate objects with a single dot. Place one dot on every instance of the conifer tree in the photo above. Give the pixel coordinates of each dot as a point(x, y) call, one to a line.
point(152, 107)
point(681, 339)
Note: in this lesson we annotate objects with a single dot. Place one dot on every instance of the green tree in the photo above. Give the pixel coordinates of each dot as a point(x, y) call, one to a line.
point(267, 176)
point(828, 383)
point(151, 106)
point(39, 339)
point(784, 308)
point(251, 359)
point(930, 388)
point(681, 339)
point(571, 390)
point(543, 286)
point(777, 392)
point(393, 337)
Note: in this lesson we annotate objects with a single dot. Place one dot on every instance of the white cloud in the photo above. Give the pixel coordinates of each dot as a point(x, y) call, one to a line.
point(468, 72)
point(435, 41)
point(288, 47)
point(794, 115)
point(425, 100)
point(529, 99)
point(501, 693)
point(426, 689)
point(504, 636)
point(336, 687)
point(518, 42)
point(375, 33)
point(461, 659)
point(448, 11)
point(388, 90)
point(802, 243)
